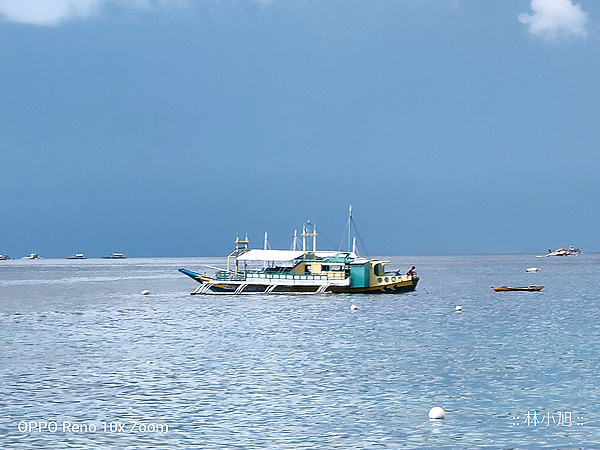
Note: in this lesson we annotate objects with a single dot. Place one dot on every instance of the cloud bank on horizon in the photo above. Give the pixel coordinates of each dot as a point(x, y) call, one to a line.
point(553, 19)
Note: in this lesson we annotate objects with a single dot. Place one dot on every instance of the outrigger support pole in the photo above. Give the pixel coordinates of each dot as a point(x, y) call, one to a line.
point(203, 288)
point(322, 289)
point(241, 288)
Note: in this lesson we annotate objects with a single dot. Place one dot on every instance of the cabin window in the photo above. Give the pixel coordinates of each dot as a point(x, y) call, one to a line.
point(308, 268)
point(325, 268)
point(378, 269)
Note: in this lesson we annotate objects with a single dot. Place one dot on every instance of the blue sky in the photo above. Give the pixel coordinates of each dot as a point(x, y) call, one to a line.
point(162, 128)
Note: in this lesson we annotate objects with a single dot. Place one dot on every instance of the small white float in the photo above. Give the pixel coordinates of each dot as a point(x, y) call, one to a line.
point(532, 269)
point(436, 413)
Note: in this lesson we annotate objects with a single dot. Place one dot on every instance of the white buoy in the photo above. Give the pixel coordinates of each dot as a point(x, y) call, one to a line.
point(353, 307)
point(458, 308)
point(145, 292)
point(148, 362)
point(436, 413)
point(532, 269)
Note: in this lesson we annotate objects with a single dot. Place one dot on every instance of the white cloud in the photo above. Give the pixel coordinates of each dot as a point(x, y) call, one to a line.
point(555, 18)
point(53, 12)
point(46, 12)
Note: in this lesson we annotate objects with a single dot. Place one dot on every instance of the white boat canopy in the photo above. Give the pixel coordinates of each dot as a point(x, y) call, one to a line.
point(270, 255)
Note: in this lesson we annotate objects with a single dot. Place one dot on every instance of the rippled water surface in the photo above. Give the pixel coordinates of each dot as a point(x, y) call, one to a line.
point(80, 345)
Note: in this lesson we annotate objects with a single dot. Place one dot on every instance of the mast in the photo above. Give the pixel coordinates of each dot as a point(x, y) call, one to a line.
point(237, 252)
point(309, 230)
point(266, 263)
point(349, 229)
point(304, 238)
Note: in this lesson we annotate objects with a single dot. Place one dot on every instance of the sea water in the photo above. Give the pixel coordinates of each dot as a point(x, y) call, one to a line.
point(87, 361)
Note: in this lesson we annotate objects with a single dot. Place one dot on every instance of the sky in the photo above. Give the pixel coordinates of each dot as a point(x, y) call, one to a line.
point(166, 127)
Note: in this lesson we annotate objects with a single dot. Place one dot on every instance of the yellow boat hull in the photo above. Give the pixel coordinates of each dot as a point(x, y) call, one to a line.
point(519, 288)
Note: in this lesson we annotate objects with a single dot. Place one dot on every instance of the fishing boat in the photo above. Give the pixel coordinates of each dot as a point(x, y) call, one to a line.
point(5, 258)
point(562, 252)
point(114, 256)
point(31, 256)
point(522, 288)
point(77, 256)
point(302, 271)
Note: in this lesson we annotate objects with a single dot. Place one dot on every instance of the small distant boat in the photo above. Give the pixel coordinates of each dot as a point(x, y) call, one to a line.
point(522, 288)
point(562, 252)
point(4, 257)
point(31, 256)
point(77, 256)
point(114, 256)
point(531, 269)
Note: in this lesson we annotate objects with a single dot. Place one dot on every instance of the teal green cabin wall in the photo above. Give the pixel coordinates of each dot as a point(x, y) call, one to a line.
point(359, 275)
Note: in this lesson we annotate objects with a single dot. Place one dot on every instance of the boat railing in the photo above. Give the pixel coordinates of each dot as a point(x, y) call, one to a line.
point(337, 275)
point(224, 275)
point(275, 270)
point(295, 276)
point(282, 276)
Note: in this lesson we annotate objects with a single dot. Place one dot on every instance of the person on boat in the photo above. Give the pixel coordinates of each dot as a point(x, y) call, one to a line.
point(411, 271)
